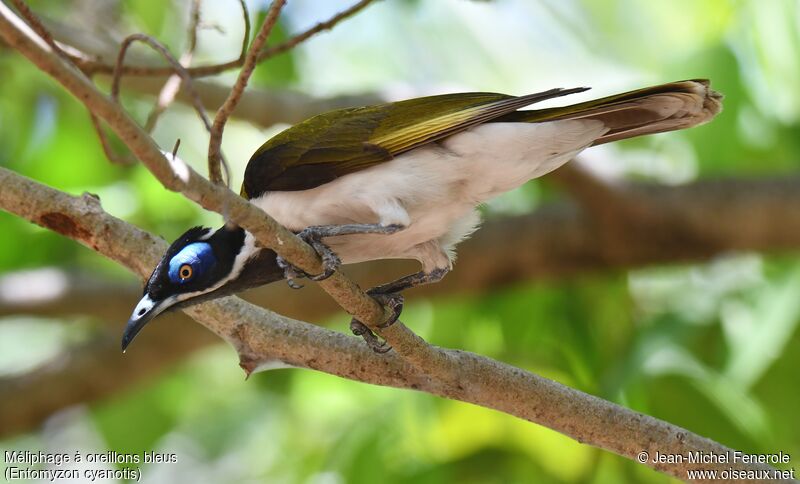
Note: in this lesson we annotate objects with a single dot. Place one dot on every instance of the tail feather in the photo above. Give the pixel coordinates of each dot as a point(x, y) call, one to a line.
point(667, 107)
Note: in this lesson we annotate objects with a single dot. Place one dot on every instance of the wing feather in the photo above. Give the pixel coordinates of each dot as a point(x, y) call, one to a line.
point(344, 141)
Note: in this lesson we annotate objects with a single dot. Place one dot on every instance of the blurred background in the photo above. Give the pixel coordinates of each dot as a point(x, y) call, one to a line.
point(711, 346)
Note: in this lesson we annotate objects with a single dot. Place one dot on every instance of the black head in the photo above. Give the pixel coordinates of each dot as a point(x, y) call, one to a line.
point(201, 264)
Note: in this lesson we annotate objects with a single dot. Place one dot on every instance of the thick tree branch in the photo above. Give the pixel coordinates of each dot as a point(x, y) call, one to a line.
point(262, 338)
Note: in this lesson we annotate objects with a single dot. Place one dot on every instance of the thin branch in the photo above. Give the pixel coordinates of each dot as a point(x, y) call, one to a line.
point(176, 67)
point(321, 26)
point(38, 27)
point(179, 70)
point(173, 84)
point(263, 338)
point(247, 27)
point(91, 64)
point(224, 112)
point(194, 25)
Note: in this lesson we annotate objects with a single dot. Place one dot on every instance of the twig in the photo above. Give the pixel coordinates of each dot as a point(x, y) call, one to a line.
point(94, 66)
point(247, 27)
point(173, 84)
point(38, 27)
point(175, 148)
point(177, 68)
point(250, 61)
point(303, 36)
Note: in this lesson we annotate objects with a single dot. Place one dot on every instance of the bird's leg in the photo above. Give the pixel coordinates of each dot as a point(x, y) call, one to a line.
point(388, 295)
point(330, 261)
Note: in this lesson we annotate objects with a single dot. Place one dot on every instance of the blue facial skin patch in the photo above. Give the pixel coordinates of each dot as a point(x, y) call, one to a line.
point(198, 255)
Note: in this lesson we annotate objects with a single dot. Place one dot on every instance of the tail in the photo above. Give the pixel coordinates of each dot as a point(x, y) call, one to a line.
point(668, 107)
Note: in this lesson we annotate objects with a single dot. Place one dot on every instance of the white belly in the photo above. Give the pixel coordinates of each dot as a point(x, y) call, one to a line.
point(432, 190)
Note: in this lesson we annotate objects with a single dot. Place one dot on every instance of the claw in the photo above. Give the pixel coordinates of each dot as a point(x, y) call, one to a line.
point(393, 301)
point(388, 295)
point(360, 329)
point(330, 261)
point(293, 284)
point(290, 273)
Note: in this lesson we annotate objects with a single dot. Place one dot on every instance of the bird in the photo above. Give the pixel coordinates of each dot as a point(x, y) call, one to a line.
point(401, 180)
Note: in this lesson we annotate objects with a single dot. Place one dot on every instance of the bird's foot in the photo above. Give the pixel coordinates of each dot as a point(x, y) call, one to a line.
point(330, 261)
point(394, 302)
point(375, 344)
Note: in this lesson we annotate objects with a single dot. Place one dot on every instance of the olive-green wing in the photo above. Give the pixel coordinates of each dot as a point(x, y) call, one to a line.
point(344, 141)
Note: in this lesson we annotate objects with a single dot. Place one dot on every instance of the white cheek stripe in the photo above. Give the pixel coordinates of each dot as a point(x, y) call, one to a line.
point(144, 306)
point(248, 251)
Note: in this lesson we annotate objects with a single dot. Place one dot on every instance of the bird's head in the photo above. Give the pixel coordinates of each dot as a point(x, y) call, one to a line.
point(202, 264)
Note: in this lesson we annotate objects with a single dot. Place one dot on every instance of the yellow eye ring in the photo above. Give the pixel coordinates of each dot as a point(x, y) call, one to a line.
point(185, 272)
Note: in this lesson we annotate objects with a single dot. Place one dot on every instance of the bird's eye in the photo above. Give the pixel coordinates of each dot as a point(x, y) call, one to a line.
point(185, 272)
point(191, 264)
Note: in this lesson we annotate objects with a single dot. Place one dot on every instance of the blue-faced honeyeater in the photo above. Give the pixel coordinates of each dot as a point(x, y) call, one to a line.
point(402, 180)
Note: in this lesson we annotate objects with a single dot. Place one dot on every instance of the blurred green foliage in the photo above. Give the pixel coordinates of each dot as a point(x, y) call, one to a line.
point(712, 347)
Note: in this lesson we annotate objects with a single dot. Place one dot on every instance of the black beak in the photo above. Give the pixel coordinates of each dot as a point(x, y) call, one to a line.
point(146, 310)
